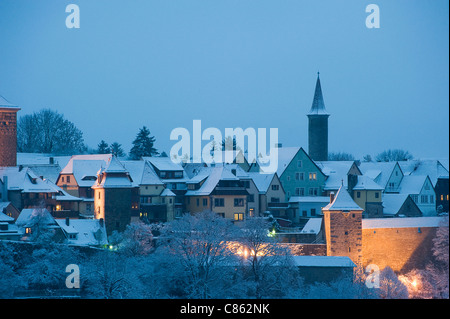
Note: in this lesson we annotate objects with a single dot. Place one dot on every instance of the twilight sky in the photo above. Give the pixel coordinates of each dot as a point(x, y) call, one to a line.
point(235, 63)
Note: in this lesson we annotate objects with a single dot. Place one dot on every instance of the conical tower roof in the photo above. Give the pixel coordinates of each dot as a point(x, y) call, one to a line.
point(318, 105)
point(5, 104)
point(342, 202)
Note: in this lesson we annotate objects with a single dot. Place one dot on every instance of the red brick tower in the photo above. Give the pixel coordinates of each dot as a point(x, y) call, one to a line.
point(8, 133)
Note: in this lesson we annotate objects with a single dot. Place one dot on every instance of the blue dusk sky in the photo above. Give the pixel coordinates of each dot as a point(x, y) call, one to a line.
point(234, 63)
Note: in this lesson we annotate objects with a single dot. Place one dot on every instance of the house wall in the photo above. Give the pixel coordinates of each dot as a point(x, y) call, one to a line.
point(428, 206)
point(366, 196)
point(402, 249)
point(394, 180)
point(307, 166)
point(114, 206)
point(229, 209)
point(255, 204)
point(70, 187)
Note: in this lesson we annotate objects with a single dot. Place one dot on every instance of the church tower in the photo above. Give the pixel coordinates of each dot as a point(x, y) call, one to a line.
point(318, 126)
point(8, 133)
point(343, 226)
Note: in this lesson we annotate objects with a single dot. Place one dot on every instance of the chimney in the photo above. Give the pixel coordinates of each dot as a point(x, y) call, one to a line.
point(4, 190)
point(67, 221)
point(51, 160)
point(331, 197)
point(352, 180)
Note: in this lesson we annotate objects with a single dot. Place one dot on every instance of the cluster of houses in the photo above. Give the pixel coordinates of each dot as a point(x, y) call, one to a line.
point(86, 197)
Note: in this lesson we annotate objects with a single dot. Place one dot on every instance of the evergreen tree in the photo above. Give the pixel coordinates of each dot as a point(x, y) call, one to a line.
point(117, 150)
point(103, 148)
point(143, 145)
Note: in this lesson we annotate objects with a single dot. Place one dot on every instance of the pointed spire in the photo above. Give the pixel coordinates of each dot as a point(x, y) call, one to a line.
point(318, 105)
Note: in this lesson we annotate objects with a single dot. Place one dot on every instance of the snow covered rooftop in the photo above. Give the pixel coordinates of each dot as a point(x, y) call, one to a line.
point(393, 202)
point(27, 215)
point(285, 157)
point(262, 181)
point(367, 183)
point(3, 217)
point(323, 261)
point(342, 202)
point(433, 168)
point(412, 184)
point(310, 199)
point(403, 222)
point(312, 226)
point(380, 172)
point(24, 180)
point(336, 172)
point(4, 103)
point(88, 232)
point(164, 163)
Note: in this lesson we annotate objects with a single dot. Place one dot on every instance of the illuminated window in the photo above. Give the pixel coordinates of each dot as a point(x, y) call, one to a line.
point(238, 216)
point(28, 230)
point(442, 197)
point(58, 207)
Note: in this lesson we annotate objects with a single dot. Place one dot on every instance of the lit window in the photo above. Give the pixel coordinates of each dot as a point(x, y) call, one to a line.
point(238, 216)
point(58, 207)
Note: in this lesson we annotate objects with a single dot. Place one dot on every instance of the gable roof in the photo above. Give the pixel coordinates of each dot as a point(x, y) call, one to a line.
point(433, 168)
point(89, 231)
point(24, 180)
point(412, 184)
point(84, 167)
point(142, 173)
point(336, 172)
point(262, 181)
point(366, 183)
point(380, 172)
point(342, 202)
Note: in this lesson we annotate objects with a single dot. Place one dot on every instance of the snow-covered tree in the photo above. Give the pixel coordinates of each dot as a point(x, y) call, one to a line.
point(198, 246)
point(267, 264)
point(390, 286)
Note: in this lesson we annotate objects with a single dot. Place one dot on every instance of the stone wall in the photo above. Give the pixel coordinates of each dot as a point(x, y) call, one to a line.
point(402, 249)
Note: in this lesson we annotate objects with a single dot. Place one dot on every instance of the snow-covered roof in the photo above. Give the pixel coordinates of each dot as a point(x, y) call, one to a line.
point(28, 159)
point(3, 217)
point(393, 202)
point(312, 226)
point(323, 261)
point(412, 184)
point(24, 180)
point(142, 173)
point(336, 172)
point(342, 202)
point(164, 163)
point(402, 222)
point(4, 103)
point(380, 172)
point(285, 157)
point(27, 215)
point(83, 167)
point(433, 168)
point(88, 231)
point(262, 181)
point(309, 199)
point(46, 171)
point(167, 192)
point(367, 183)
point(216, 173)
point(61, 194)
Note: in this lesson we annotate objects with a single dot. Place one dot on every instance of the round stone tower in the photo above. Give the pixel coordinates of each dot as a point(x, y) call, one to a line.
point(8, 133)
point(318, 127)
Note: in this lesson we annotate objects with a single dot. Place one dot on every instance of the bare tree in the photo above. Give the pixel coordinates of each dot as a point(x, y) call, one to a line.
point(47, 131)
point(393, 155)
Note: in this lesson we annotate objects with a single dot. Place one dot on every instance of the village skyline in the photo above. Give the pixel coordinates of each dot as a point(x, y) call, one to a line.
point(164, 65)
